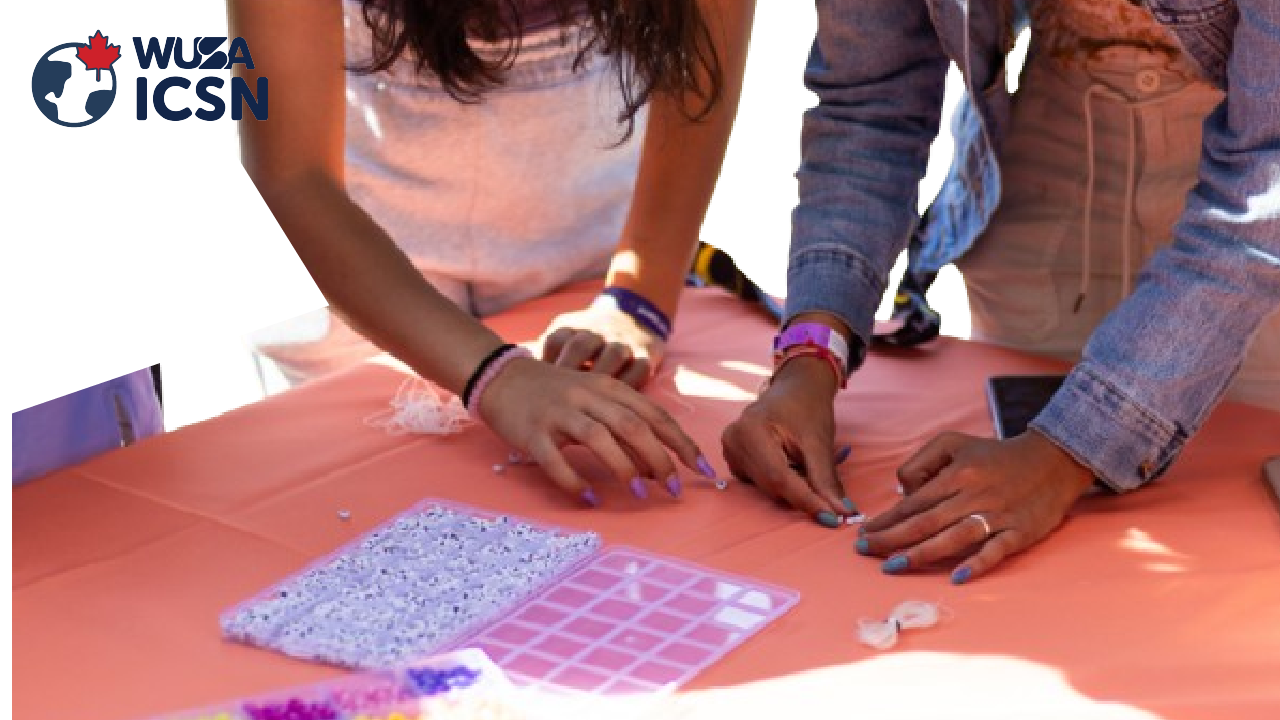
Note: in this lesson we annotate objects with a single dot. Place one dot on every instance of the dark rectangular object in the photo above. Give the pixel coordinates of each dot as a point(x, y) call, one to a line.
point(1271, 475)
point(1016, 400)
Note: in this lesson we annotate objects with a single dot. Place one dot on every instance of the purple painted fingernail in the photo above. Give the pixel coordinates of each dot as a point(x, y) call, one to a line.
point(705, 468)
point(843, 454)
point(590, 496)
point(673, 486)
point(638, 488)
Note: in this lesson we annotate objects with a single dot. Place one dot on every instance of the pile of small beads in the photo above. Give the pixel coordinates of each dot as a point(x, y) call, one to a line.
point(463, 684)
point(408, 588)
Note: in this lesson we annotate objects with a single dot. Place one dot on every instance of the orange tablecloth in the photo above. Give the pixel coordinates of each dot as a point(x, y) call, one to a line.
point(1163, 603)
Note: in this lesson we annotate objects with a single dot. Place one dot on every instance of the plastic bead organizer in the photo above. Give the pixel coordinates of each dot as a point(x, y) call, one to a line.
point(549, 606)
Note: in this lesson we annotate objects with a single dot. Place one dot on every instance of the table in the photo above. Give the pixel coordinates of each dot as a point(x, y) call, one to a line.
point(1162, 603)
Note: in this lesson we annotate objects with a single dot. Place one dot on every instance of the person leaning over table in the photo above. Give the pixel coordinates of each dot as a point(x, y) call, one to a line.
point(468, 170)
point(508, 148)
point(1052, 203)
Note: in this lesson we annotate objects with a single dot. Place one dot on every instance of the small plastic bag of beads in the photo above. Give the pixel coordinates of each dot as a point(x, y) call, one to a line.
point(460, 685)
point(412, 587)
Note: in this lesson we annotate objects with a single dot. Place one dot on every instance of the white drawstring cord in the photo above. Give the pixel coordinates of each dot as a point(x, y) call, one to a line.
point(1129, 191)
point(1088, 196)
point(1130, 187)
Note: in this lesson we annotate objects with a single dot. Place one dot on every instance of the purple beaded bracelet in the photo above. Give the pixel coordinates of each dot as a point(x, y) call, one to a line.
point(491, 371)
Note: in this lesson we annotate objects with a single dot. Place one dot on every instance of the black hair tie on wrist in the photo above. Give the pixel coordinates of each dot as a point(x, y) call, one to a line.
point(479, 371)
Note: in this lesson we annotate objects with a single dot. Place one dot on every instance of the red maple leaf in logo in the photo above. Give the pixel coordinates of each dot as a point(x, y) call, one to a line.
point(98, 55)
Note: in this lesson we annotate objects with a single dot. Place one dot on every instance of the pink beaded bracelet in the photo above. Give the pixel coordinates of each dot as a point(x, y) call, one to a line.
point(495, 367)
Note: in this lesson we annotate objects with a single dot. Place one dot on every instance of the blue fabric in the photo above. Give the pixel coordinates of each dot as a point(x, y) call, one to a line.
point(1155, 367)
point(75, 427)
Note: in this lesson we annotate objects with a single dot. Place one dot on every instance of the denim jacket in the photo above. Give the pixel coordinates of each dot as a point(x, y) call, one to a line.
point(1158, 364)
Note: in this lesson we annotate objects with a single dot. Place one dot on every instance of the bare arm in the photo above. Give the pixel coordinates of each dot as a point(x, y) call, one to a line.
point(680, 162)
point(679, 165)
point(296, 161)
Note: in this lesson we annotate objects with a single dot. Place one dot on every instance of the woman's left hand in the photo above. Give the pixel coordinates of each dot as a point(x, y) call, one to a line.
point(1022, 488)
point(603, 340)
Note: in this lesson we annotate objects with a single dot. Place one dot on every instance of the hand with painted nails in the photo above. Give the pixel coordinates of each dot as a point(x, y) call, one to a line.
point(975, 502)
point(783, 442)
point(604, 340)
point(540, 408)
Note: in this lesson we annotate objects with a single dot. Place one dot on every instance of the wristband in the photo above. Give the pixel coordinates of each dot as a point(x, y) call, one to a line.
point(797, 351)
point(483, 372)
point(815, 335)
point(491, 372)
point(638, 307)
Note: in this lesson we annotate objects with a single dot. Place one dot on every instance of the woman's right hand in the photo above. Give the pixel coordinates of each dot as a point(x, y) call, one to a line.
point(541, 408)
point(783, 443)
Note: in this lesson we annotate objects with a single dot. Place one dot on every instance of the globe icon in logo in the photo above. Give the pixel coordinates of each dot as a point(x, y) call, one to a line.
point(69, 93)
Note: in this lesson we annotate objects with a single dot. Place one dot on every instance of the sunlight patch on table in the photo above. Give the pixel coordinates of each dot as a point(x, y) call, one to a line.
point(743, 366)
point(692, 383)
point(912, 685)
point(1140, 541)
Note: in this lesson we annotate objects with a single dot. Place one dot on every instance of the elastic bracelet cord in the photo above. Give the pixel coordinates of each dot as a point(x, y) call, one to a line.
point(488, 360)
point(489, 371)
point(797, 351)
point(645, 313)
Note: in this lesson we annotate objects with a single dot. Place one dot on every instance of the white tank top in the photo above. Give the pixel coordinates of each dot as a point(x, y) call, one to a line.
point(502, 200)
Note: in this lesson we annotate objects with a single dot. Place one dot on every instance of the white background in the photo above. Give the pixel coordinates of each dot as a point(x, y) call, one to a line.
point(126, 240)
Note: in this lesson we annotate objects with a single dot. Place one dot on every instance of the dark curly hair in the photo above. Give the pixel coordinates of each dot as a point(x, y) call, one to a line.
point(655, 45)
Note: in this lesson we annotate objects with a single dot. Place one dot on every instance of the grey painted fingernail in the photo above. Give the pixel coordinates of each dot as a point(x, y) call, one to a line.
point(849, 506)
point(638, 488)
point(590, 496)
point(705, 468)
point(897, 563)
point(862, 546)
point(827, 519)
point(673, 486)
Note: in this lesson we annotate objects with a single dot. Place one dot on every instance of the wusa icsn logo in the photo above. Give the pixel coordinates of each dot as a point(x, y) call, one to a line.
point(68, 85)
point(74, 84)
